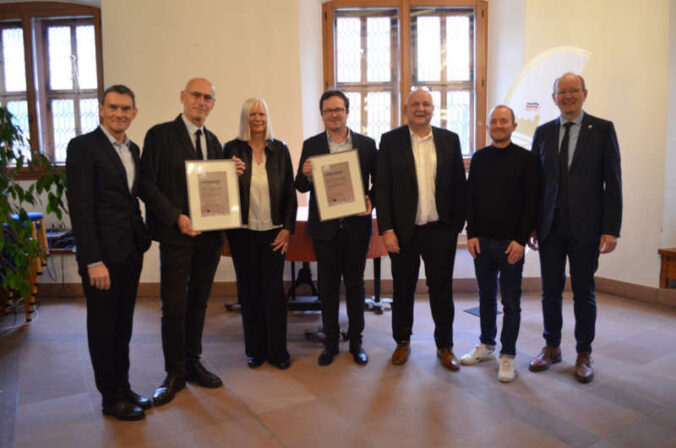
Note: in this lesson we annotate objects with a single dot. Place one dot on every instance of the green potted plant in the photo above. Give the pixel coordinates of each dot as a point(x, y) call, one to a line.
point(17, 247)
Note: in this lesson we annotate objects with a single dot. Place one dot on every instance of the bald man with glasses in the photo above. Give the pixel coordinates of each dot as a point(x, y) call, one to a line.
point(188, 259)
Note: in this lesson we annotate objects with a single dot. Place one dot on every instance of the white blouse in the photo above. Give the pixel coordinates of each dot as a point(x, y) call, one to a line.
point(259, 197)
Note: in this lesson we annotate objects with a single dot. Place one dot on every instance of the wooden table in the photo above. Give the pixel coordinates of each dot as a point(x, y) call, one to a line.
point(668, 270)
point(301, 250)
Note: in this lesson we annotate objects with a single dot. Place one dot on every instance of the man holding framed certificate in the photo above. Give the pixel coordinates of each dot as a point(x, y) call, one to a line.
point(337, 166)
point(188, 258)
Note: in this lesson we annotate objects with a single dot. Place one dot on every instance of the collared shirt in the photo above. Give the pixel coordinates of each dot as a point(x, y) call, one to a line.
point(190, 126)
point(260, 217)
point(425, 155)
point(573, 134)
point(124, 152)
point(346, 145)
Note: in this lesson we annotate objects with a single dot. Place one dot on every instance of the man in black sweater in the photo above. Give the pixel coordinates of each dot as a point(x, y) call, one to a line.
point(501, 213)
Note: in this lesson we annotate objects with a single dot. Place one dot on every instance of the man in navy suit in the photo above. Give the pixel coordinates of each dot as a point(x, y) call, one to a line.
point(339, 244)
point(102, 180)
point(188, 258)
point(420, 198)
point(579, 217)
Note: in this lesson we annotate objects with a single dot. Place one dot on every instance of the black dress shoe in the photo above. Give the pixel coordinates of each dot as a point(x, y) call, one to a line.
point(282, 365)
point(197, 373)
point(139, 400)
point(123, 410)
point(254, 362)
point(166, 392)
point(326, 356)
point(359, 355)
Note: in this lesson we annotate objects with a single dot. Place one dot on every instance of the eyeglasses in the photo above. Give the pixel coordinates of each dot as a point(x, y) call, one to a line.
point(207, 98)
point(571, 91)
point(337, 110)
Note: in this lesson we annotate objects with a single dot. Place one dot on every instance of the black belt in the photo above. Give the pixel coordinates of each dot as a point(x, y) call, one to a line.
point(561, 212)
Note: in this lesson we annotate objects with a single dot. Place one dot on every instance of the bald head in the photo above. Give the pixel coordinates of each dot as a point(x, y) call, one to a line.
point(569, 95)
point(419, 109)
point(198, 100)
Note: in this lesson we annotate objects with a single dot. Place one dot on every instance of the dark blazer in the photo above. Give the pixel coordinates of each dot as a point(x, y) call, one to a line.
point(397, 183)
point(594, 179)
point(356, 227)
point(105, 215)
point(283, 202)
point(163, 184)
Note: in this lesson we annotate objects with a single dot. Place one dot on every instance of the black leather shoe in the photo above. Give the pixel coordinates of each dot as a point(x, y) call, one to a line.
point(166, 392)
point(359, 355)
point(326, 356)
point(253, 362)
point(123, 410)
point(139, 400)
point(282, 365)
point(197, 373)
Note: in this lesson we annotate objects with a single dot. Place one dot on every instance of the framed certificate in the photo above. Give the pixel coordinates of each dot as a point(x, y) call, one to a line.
point(213, 194)
point(338, 185)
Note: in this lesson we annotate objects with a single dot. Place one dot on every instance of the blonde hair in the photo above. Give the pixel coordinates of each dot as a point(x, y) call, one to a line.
point(244, 130)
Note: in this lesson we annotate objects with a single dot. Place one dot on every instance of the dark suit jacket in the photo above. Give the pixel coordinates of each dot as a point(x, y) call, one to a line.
point(283, 202)
point(594, 179)
point(163, 184)
point(356, 227)
point(397, 183)
point(105, 215)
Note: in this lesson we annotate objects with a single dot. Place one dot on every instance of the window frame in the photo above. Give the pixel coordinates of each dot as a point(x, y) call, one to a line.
point(34, 17)
point(404, 14)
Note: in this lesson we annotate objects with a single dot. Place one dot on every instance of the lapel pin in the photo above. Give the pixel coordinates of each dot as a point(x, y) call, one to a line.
point(589, 127)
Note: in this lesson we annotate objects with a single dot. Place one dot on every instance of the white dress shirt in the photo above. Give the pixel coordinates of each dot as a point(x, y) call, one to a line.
point(425, 155)
point(122, 150)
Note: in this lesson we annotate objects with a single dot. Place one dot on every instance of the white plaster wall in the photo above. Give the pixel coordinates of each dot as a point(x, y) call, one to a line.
point(669, 216)
point(273, 49)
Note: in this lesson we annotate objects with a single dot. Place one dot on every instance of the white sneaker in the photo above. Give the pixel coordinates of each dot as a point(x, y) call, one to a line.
point(507, 369)
point(481, 352)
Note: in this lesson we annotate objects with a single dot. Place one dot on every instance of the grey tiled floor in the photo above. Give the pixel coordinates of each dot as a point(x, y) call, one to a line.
point(48, 397)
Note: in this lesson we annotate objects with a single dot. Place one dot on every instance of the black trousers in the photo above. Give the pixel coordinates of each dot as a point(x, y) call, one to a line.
point(110, 315)
point(186, 276)
point(259, 272)
point(436, 244)
point(344, 257)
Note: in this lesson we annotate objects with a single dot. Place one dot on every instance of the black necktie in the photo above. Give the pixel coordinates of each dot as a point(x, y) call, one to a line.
point(562, 203)
point(198, 144)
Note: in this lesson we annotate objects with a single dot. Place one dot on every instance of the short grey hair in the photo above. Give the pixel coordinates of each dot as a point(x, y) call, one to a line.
point(556, 81)
point(249, 104)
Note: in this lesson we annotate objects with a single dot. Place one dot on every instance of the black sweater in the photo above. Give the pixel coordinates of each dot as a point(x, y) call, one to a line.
point(503, 190)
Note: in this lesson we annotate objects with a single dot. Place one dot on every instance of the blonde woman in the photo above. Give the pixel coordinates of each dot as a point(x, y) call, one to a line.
point(268, 206)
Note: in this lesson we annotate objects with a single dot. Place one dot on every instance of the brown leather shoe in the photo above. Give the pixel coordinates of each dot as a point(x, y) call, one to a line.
point(448, 359)
point(583, 369)
point(401, 353)
point(548, 356)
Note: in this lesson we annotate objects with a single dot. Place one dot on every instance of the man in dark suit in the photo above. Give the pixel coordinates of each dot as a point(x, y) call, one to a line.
point(102, 181)
point(579, 217)
point(420, 197)
point(340, 244)
point(188, 259)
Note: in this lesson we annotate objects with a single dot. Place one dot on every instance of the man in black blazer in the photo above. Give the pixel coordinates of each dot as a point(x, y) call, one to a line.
point(188, 259)
point(580, 215)
point(340, 244)
point(420, 197)
point(102, 184)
